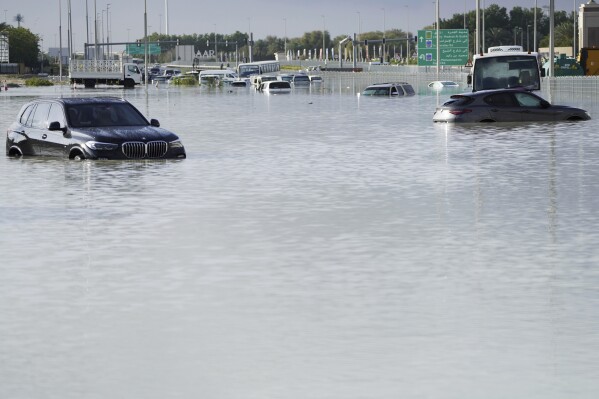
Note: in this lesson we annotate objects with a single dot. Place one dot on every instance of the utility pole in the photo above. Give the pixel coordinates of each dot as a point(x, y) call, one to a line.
point(60, 39)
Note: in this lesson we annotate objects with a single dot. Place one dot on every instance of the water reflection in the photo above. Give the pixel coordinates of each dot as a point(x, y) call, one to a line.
point(305, 233)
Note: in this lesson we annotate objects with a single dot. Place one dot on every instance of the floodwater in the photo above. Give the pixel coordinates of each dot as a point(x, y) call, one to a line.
point(315, 245)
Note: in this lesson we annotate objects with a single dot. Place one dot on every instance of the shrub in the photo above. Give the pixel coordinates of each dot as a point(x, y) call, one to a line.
point(184, 80)
point(38, 82)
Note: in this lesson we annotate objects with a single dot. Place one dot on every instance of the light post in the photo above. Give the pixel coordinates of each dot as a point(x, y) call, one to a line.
point(108, 28)
point(42, 55)
point(534, 34)
point(527, 38)
point(574, 32)
point(359, 34)
point(323, 44)
point(215, 45)
point(102, 22)
point(384, 29)
point(166, 17)
point(408, 36)
point(285, 37)
point(60, 40)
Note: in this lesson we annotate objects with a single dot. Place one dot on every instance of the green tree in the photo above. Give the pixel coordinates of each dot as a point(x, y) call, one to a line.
point(23, 46)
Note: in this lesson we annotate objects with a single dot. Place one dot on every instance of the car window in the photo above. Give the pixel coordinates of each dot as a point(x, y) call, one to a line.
point(395, 91)
point(528, 100)
point(40, 116)
point(501, 100)
point(26, 114)
point(104, 114)
point(409, 90)
point(56, 114)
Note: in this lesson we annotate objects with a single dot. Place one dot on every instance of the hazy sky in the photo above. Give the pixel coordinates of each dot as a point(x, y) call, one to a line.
point(267, 17)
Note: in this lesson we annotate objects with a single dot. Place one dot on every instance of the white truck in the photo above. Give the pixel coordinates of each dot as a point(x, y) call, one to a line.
point(504, 67)
point(110, 72)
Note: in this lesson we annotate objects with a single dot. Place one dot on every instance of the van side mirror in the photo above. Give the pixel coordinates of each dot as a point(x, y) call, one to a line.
point(469, 80)
point(543, 72)
point(154, 122)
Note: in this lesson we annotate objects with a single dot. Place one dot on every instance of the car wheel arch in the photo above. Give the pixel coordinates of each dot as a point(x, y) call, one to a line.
point(14, 151)
point(77, 154)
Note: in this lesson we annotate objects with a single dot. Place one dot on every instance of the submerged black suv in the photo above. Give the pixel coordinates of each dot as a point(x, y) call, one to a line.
point(89, 128)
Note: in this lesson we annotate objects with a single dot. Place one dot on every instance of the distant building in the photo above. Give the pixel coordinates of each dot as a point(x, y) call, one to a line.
point(4, 47)
point(184, 54)
point(54, 53)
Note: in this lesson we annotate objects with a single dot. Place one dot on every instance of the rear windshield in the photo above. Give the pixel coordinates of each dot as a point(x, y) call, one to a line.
point(459, 100)
point(104, 114)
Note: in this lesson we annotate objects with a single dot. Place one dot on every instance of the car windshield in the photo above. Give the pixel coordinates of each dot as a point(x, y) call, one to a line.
point(104, 114)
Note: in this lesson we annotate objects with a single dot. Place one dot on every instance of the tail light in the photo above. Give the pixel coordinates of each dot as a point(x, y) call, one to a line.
point(460, 111)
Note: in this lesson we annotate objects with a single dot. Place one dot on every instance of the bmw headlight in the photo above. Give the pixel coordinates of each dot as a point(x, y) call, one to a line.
point(176, 144)
point(99, 146)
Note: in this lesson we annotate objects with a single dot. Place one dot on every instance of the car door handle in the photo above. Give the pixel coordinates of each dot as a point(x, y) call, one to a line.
point(44, 136)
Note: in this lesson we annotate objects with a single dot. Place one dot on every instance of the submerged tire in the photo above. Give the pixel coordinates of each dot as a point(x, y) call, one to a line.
point(77, 156)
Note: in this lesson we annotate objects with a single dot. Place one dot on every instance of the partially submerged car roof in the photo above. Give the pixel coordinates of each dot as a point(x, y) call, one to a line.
point(89, 100)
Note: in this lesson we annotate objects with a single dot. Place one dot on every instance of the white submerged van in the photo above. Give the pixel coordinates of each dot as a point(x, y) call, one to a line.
point(216, 76)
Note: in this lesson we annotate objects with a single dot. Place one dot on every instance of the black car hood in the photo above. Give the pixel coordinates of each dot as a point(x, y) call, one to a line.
point(119, 134)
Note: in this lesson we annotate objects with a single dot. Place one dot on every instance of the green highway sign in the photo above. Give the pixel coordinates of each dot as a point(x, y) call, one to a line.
point(134, 49)
point(453, 43)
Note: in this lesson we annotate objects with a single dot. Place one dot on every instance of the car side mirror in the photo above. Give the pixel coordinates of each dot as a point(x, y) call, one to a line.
point(54, 126)
point(545, 104)
point(154, 122)
point(469, 80)
point(543, 73)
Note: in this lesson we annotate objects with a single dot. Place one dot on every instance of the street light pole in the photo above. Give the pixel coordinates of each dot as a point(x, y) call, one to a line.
point(408, 36)
point(60, 39)
point(146, 44)
point(108, 29)
point(438, 34)
point(574, 33)
point(534, 35)
point(215, 45)
point(359, 33)
point(285, 20)
point(384, 29)
point(324, 57)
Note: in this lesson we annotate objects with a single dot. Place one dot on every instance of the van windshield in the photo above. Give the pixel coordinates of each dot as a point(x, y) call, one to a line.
point(247, 70)
point(506, 71)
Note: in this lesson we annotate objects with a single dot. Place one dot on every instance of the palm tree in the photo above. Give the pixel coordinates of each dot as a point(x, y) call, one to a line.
point(18, 19)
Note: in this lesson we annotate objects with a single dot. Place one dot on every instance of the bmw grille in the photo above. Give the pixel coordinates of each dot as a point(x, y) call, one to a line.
point(138, 150)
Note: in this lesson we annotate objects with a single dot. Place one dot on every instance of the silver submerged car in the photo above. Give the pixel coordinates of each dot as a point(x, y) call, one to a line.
point(89, 128)
point(505, 105)
point(394, 89)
